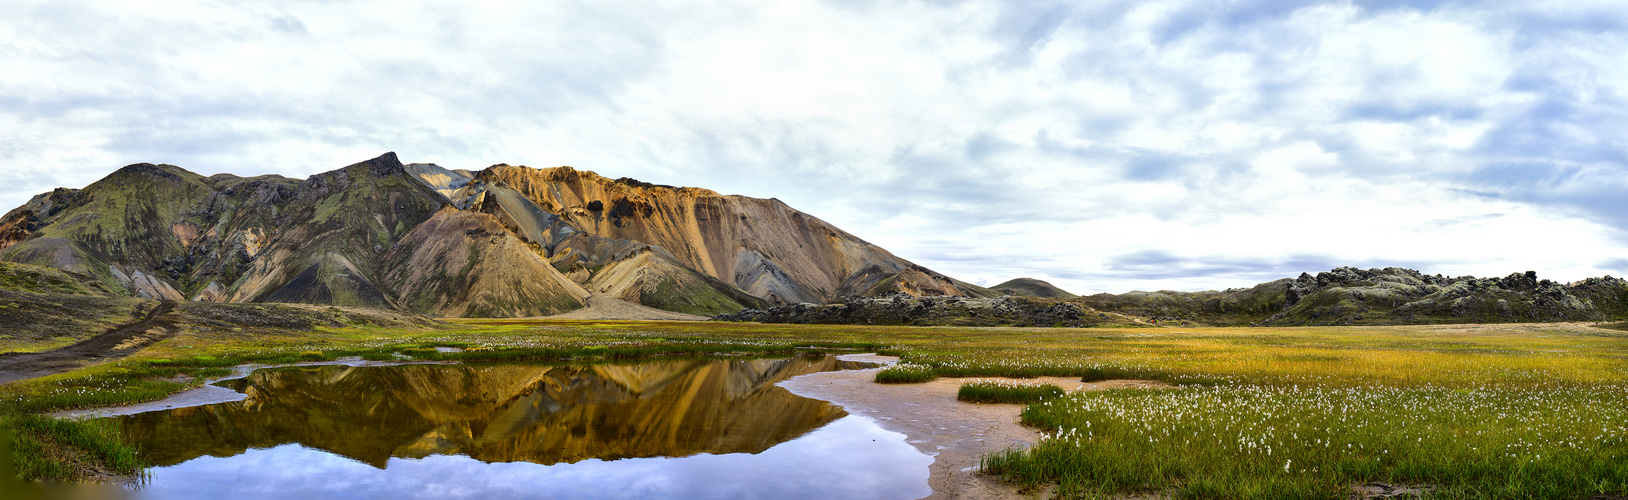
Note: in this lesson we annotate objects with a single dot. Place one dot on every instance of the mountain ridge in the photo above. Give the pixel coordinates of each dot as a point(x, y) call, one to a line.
point(501, 241)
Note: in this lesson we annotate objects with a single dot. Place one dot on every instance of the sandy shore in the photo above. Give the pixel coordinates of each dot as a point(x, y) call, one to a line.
point(953, 432)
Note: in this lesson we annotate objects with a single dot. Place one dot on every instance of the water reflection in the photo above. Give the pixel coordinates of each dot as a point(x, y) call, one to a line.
point(850, 458)
point(487, 430)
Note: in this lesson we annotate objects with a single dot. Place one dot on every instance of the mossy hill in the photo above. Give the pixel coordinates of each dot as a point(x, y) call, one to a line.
point(505, 241)
point(1030, 287)
point(1343, 296)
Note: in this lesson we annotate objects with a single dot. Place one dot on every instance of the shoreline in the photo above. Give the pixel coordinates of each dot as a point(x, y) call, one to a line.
point(955, 433)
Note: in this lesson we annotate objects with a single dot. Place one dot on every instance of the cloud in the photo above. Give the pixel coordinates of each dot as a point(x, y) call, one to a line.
point(1617, 266)
point(1164, 265)
point(984, 139)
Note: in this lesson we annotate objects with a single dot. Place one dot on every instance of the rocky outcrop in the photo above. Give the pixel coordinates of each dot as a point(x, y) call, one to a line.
point(1350, 296)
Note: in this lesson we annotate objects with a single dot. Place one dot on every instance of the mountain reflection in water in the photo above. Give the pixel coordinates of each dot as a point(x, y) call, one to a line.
point(506, 413)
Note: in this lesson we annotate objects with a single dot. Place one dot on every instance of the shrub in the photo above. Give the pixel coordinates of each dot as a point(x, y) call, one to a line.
point(906, 373)
point(1000, 391)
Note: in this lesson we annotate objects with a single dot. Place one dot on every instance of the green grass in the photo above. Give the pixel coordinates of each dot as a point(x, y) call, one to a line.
point(1254, 441)
point(1000, 391)
point(906, 373)
point(45, 447)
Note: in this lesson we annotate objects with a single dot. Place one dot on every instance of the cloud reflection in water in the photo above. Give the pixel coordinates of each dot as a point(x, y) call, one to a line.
point(849, 458)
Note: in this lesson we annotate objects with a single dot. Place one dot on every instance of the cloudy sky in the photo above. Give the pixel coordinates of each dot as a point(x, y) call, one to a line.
point(1103, 146)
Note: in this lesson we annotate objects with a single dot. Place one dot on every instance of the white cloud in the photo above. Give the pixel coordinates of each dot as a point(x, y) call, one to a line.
point(987, 140)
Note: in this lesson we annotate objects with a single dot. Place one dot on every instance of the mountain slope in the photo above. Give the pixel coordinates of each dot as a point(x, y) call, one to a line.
point(462, 263)
point(337, 224)
point(762, 246)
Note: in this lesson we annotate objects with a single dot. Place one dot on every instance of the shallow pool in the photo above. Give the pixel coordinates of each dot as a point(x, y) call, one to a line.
point(656, 429)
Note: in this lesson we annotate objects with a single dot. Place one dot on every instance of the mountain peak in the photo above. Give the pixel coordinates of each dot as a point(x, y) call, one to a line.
point(166, 172)
point(385, 164)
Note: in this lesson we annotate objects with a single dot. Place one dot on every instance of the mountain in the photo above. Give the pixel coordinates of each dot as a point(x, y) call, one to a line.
point(763, 247)
point(1342, 296)
point(1030, 287)
point(505, 241)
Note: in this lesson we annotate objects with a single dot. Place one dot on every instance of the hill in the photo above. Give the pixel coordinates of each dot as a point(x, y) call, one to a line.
point(1389, 296)
point(1030, 287)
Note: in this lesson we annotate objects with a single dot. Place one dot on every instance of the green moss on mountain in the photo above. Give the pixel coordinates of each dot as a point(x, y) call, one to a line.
point(39, 279)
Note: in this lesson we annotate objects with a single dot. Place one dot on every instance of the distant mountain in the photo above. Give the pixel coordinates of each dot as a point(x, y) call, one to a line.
point(1343, 296)
point(1350, 296)
point(1030, 287)
point(504, 241)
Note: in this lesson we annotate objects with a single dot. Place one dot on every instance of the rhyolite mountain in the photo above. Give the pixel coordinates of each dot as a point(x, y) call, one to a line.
point(505, 241)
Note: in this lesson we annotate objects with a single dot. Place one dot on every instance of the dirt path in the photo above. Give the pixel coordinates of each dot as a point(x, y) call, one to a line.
point(601, 306)
point(955, 433)
point(159, 323)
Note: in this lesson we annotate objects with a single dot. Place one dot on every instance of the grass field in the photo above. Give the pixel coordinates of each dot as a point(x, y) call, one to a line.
point(1467, 411)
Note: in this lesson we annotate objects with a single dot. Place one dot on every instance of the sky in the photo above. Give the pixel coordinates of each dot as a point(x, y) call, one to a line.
point(1102, 146)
